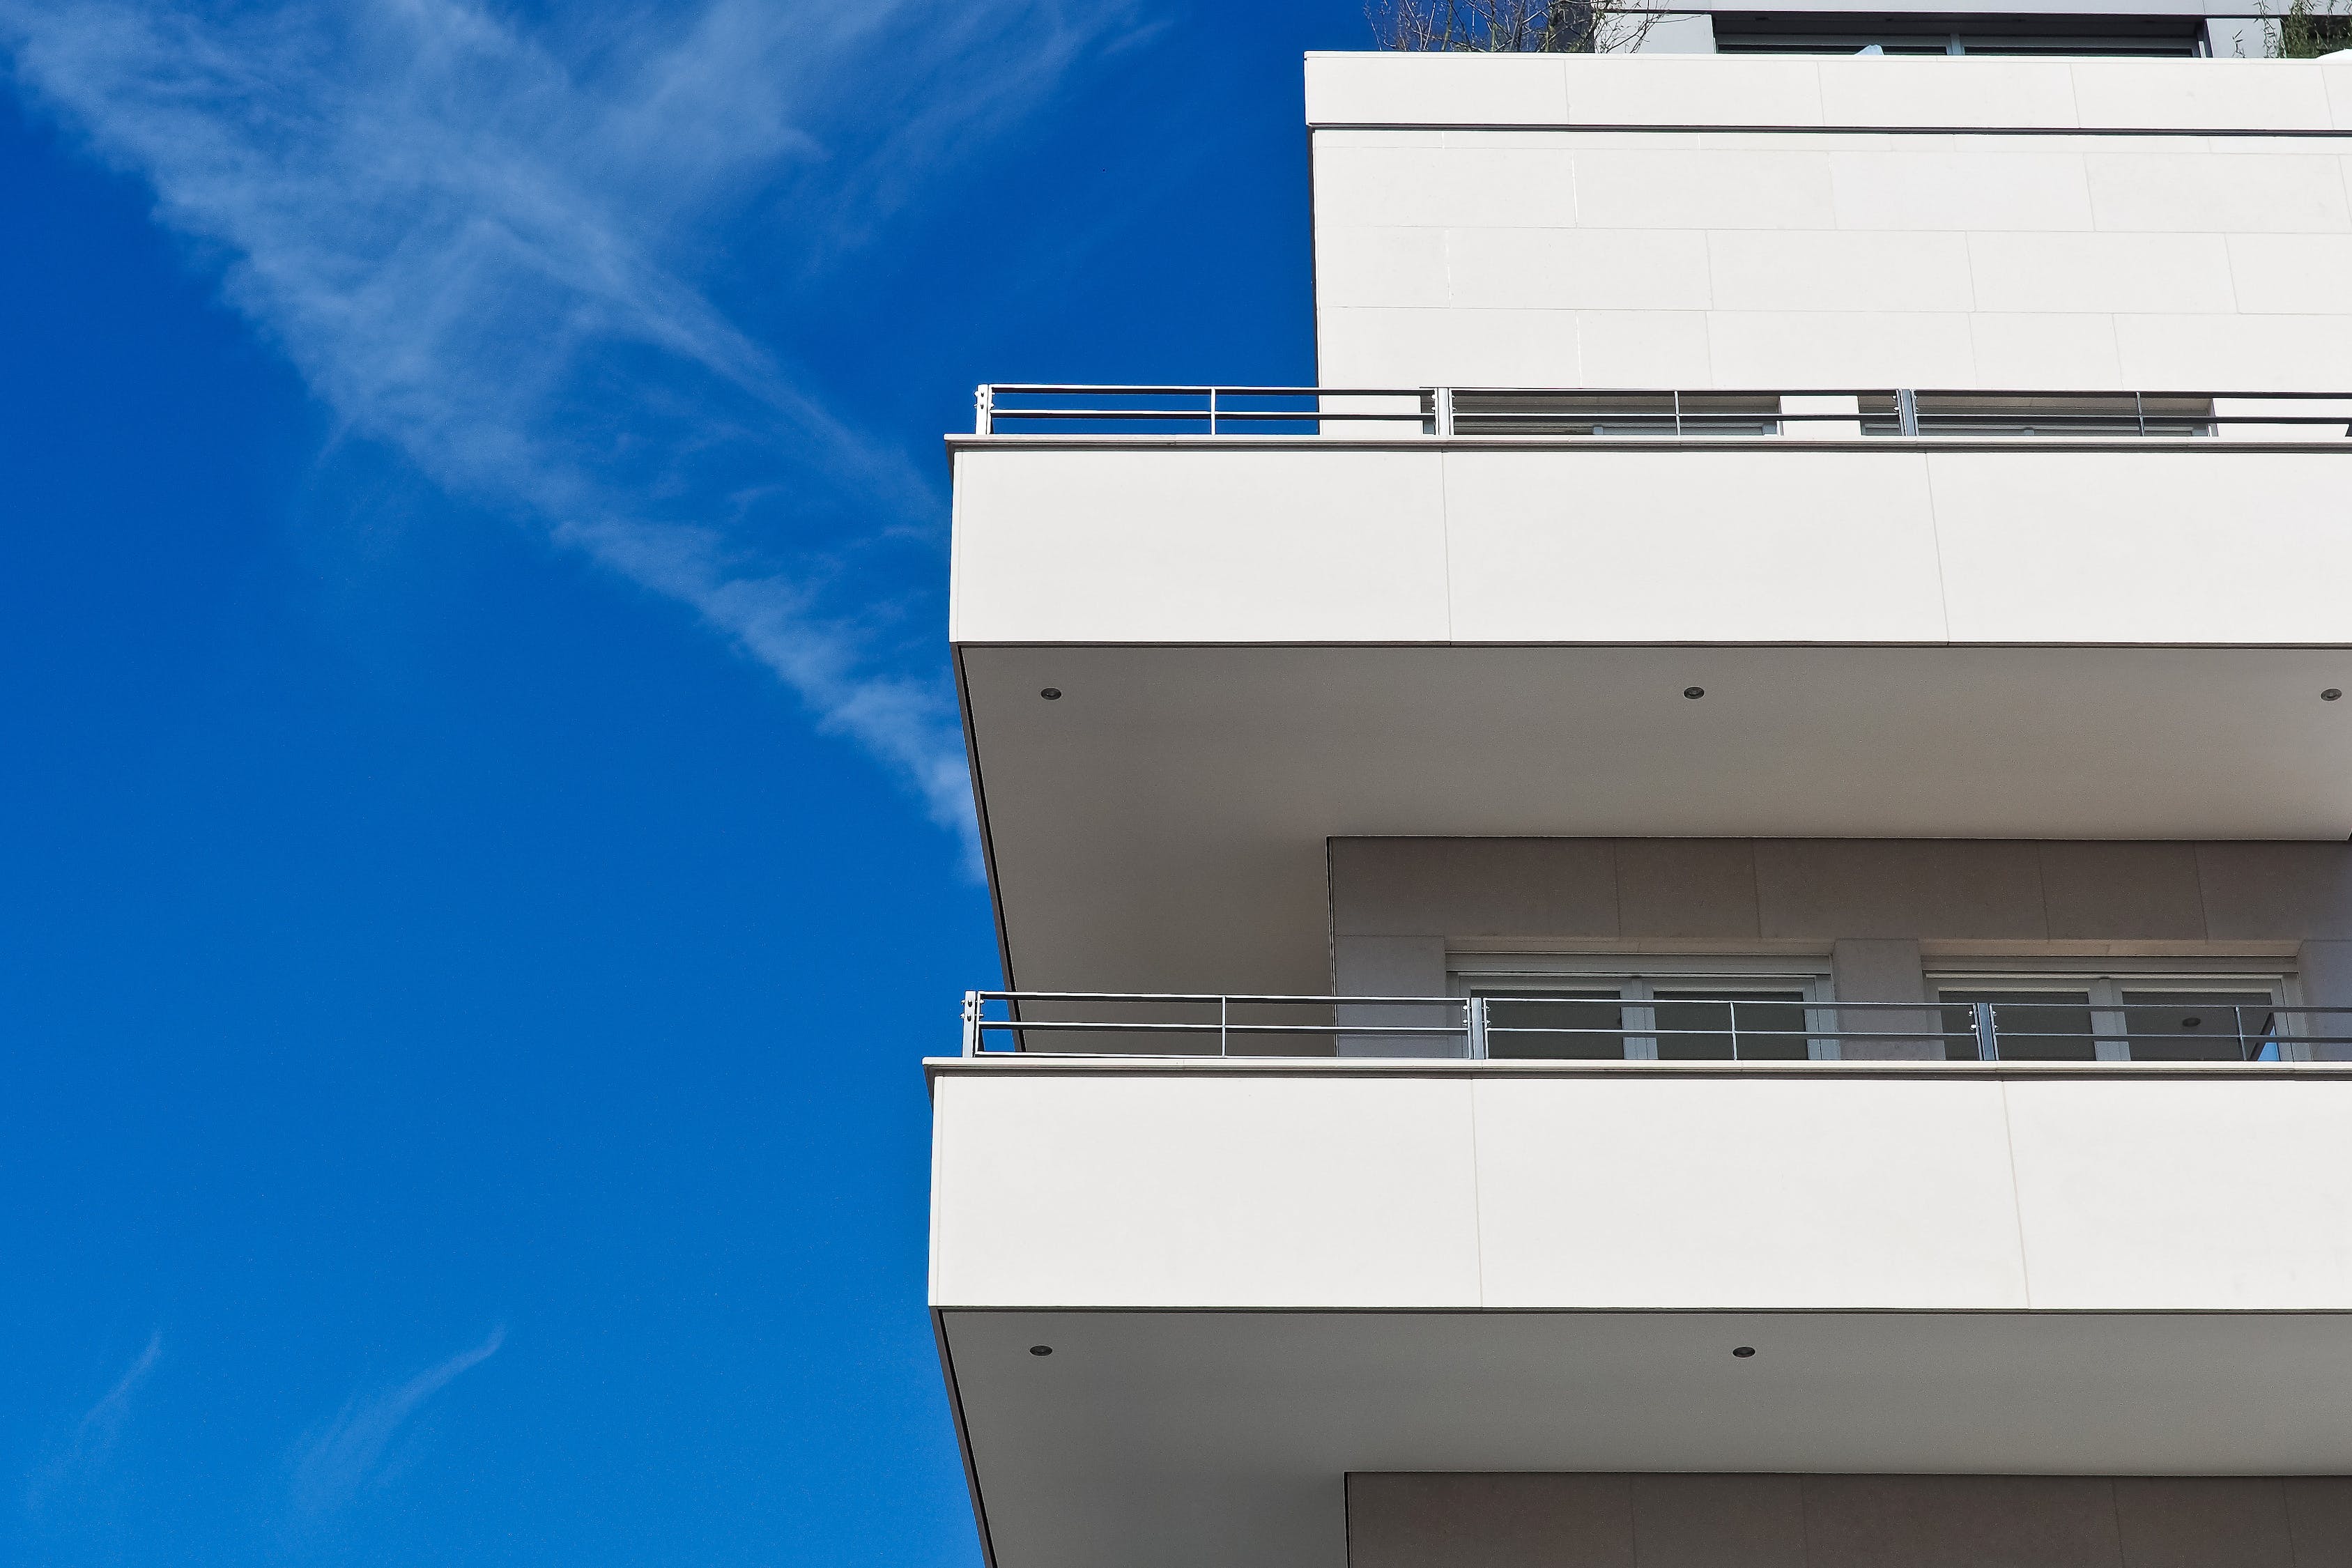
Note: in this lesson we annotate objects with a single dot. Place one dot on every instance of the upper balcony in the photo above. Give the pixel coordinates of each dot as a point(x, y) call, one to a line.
point(1190, 659)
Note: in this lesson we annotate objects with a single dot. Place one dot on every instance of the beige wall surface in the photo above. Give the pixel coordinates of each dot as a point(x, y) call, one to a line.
point(1847, 1521)
point(1768, 224)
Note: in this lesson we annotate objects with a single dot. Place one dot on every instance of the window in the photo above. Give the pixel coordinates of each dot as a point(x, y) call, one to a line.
point(1713, 1010)
point(2119, 1017)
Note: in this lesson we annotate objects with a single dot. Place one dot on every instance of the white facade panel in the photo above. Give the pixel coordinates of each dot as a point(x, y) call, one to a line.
point(1978, 92)
point(1768, 1193)
point(1733, 546)
point(1841, 349)
point(1135, 1190)
point(1941, 240)
point(2136, 1196)
point(1653, 1189)
point(2262, 185)
point(1909, 185)
point(2221, 544)
point(1361, 88)
point(1661, 90)
point(1942, 93)
point(2249, 351)
point(1876, 273)
point(1485, 347)
point(2201, 95)
point(1609, 269)
point(2115, 272)
point(1250, 546)
point(2045, 350)
point(2046, 547)
point(1638, 348)
point(1678, 184)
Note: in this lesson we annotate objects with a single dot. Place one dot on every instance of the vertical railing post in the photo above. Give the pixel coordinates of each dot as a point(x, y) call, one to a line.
point(1225, 1012)
point(1988, 1041)
point(1734, 1009)
point(1678, 413)
point(2238, 1018)
point(1212, 411)
point(1442, 408)
point(1906, 410)
point(971, 1023)
point(983, 402)
point(2139, 407)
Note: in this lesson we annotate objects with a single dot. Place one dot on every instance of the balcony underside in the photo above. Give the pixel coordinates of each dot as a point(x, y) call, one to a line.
point(1164, 823)
point(1170, 1439)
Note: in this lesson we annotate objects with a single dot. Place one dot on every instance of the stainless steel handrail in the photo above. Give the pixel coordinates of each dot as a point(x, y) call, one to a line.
point(1902, 413)
point(2268, 1033)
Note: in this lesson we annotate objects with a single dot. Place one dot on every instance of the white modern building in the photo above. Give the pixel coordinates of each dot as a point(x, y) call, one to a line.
point(1698, 916)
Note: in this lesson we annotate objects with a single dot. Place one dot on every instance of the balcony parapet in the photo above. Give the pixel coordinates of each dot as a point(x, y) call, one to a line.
point(1062, 1025)
point(1814, 415)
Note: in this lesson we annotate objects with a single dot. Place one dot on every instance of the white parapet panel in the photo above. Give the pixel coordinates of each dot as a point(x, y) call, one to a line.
point(1780, 91)
point(1743, 221)
point(2237, 544)
point(1921, 1190)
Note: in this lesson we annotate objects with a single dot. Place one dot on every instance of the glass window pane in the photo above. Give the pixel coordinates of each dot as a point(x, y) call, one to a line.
point(1697, 1025)
point(2200, 1025)
point(2028, 1026)
point(1574, 1025)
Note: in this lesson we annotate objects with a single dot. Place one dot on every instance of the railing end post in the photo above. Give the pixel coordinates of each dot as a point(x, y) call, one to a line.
point(983, 402)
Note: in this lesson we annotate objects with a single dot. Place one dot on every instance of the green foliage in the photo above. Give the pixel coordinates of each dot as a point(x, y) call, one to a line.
point(2305, 31)
point(1507, 26)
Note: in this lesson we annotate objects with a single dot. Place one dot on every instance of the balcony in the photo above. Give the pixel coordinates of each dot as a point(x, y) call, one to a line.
point(1181, 1299)
point(2192, 1030)
point(1816, 614)
point(1976, 414)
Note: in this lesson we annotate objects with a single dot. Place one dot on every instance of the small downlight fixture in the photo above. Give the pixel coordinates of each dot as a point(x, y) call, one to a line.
point(1041, 1350)
point(1051, 693)
point(1694, 692)
point(1743, 1352)
point(2331, 694)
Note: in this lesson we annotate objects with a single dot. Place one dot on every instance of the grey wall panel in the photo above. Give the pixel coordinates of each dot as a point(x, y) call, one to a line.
point(1525, 1520)
point(1704, 894)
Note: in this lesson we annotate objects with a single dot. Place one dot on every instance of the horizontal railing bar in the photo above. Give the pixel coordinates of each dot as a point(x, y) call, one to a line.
point(1100, 389)
point(1015, 1026)
point(1212, 996)
point(1520, 998)
point(1224, 415)
point(1971, 393)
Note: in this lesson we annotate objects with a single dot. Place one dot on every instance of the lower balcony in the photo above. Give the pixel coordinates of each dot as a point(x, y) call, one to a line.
point(1192, 1308)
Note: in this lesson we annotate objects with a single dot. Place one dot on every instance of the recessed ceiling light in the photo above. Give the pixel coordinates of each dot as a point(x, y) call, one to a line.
point(1051, 694)
point(1743, 1352)
point(1694, 692)
point(2192, 1021)
point(1041, 1350)
point(2331, 694)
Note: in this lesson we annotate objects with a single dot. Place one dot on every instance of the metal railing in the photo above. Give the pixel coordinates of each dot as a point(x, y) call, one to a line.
point(1509, 1026)
point(1612, 413)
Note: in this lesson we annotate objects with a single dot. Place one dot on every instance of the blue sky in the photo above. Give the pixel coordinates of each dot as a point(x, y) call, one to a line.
point(482, 840)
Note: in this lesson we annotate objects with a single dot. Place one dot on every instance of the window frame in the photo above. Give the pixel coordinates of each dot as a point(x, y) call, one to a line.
point(1477, 977)
point(2104, 987)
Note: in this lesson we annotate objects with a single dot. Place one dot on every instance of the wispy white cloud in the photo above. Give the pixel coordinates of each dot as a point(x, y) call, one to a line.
point(95, 1434)
point(481, 244)
point(336, 1463)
